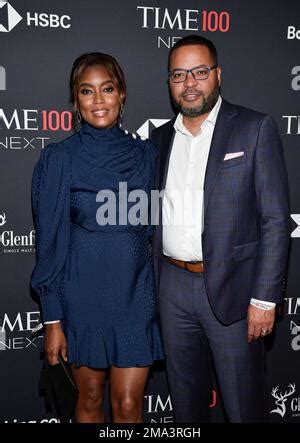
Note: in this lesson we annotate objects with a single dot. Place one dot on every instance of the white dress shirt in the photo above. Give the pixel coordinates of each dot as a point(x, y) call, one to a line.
point(182, 213)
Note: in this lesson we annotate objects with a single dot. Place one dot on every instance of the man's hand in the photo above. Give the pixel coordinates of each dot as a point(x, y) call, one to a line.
point(55, 343)
point(260, 322)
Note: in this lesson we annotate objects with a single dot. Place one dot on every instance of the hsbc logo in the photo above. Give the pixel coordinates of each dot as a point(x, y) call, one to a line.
point(9, 18)
point(150, 124)
point(296, 232)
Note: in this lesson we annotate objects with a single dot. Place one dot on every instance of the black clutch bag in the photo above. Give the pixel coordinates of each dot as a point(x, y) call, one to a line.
point(60, 389)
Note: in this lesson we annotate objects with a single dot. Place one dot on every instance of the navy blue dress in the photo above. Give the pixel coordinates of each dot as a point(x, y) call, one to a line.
point(97, 279)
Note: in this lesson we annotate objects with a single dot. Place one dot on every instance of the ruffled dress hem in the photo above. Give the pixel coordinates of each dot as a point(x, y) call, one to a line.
point(113, 347)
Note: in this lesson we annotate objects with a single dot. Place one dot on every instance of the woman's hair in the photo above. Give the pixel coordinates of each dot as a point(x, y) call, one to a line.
point(90, 60)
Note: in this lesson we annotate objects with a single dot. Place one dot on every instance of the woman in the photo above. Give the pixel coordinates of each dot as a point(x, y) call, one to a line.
point(95, 279)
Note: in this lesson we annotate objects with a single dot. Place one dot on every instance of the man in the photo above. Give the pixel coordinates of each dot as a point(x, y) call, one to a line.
point(221, 252)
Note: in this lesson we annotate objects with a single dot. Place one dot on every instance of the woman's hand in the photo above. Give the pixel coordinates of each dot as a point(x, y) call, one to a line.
point(55, 343)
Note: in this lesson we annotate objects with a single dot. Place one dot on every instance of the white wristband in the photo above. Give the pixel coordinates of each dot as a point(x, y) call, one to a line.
point(50, 322)
point(265, 305)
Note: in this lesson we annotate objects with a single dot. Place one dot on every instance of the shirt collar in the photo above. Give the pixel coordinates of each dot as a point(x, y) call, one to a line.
point(211, 118)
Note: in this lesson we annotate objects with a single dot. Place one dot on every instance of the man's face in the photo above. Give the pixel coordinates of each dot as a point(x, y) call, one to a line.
point(194, 97)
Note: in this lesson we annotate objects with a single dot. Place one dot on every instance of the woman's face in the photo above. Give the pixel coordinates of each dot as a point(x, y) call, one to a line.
point(98, 97)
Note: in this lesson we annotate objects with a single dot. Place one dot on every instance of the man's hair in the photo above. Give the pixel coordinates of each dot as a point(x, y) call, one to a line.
point(194, 40)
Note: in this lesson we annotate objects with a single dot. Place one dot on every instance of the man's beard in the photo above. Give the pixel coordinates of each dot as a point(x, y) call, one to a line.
point(206, 106)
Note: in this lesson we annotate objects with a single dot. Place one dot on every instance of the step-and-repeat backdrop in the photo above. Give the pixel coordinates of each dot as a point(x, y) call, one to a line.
point(259, 46)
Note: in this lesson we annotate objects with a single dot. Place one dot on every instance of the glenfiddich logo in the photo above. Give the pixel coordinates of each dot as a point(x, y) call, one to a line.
point(2, 219)
point(10, 242)
point(281, 398)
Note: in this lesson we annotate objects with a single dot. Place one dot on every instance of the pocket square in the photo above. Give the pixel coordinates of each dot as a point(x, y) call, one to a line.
point(231, 155)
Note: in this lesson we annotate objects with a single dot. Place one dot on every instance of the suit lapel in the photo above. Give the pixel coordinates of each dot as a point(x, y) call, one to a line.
point(166, 148)
point(223, 128)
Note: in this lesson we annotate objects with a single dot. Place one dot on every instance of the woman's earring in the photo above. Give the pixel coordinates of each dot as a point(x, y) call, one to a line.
point(121, 113)
point(78, 116)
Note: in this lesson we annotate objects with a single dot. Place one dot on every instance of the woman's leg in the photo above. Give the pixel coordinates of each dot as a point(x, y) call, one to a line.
point(90, 383)
point(127, 386)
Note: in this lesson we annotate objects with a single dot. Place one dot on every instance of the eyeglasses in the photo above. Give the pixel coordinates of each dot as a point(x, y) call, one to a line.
point(201, 72)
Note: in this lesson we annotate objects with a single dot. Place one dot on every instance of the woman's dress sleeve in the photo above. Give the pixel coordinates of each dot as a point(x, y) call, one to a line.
point(51, 211)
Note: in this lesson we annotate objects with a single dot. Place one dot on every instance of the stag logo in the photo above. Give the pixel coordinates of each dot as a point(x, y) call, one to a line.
point(2, 219)
point(282, 398)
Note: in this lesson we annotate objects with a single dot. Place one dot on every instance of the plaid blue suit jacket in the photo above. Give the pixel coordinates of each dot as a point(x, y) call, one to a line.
point(246, 211)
